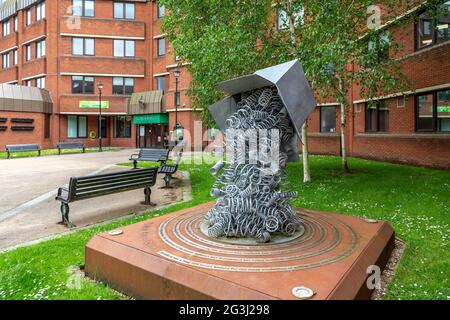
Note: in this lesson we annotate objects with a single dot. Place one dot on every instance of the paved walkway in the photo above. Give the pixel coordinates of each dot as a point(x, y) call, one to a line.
point(28, 187)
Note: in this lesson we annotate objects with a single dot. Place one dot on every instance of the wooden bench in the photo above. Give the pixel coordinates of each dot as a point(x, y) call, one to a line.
point(22, 148)
point(152, 155)
point(169, 170)
point(70, 145)
point(81, 188)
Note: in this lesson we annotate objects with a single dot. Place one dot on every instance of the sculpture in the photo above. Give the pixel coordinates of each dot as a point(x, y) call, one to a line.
point(260, 118)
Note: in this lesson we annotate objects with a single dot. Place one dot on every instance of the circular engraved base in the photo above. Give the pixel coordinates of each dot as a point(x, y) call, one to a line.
point(275, 238)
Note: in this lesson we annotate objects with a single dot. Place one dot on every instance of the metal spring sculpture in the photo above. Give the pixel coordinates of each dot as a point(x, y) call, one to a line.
point(252, 203)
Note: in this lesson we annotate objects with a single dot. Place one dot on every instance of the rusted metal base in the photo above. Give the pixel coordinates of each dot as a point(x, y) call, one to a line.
point(169, 257)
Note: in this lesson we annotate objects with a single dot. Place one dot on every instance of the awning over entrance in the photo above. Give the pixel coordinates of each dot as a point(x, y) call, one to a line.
point(155, 118)
point(25, 99)
point(148, 102)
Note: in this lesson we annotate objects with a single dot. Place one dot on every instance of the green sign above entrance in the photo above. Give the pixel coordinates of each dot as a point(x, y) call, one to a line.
point(93, 104)
point(155, 118)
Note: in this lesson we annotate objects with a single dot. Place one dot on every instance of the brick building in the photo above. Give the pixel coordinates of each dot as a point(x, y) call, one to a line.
point(69, 46)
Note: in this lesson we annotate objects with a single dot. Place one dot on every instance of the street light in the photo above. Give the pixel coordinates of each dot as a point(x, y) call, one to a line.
point(100, 88)
point(178, 129)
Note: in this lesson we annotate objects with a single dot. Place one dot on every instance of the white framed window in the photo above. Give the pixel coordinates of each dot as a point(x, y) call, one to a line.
point(161, 46)
point(124, 48)
point(40, 49)
point(5, 60)
point(40, 82)
point(83, 46)
point(76, 127)
point(40, 11)
point(15, 57)
point(28, 13)
point(6, 27)
point(16, 23)
point(28, 52)
point(124, 10)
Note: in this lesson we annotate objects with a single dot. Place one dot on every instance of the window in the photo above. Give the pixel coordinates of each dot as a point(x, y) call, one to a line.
point(47, 126)
point(82, 84)
point(40, 82)
point(15, 57)
point(28, 52)
point(123, 85)
point(83, 8)
point(124, 10)
point(77, 127)
point(40, 49)
point(122, 127)
point(161, 46)
point(83, 46)
point(378, 50)
point(433, 111)
point(6, 28)
point(16, 23)
point(5, 60)
point(431, 30)
point(161, 83)
point(283, 19)
point(377, 116)
point(328, 119)
point(400, 102)
point(40, 11)
point(28, 16)
point(161, 11)
point(124, 48)
point(27, 83)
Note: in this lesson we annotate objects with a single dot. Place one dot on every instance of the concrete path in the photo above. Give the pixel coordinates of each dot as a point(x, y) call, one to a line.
point(28, 187)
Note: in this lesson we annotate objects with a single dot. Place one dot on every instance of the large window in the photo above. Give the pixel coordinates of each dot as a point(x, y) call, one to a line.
point(40, 11)
point(124, 48)
point(161, 83)
point(433, 111)
point(82, 84)
point(40, 49)
point(83, 46)
point(123, 85)
point(6, 27)
point(5, 60)
point(328, 119)
point(77, 127)
point(161, 46)
point(122, 127)
point(83, 8)
point(433, 27)
point(377, 116)
point(124, 10)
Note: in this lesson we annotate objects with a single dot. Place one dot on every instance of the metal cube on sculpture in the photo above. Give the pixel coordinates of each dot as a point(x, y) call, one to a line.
point(272, 104)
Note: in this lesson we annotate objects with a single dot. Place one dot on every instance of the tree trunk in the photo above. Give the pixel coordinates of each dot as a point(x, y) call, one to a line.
point(305, 153)
point(343, 139)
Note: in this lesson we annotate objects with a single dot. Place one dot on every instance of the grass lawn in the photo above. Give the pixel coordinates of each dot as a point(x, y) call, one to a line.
point(53, 152)
point(414, 200)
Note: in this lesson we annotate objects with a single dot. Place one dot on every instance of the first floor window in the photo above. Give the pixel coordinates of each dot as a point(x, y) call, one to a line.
point(377, 116)
point(161, 46)
point(40, 11)
point(124, 48)
point(82, 84)
point(161, 83)
point(6, 28)
point(40, 82)
point(83, 8)
point(40, 49)
point(77, 127)
point(122, 127)
point(328, 119)
point(5, 60)
point(433, 111)
point(123, 85)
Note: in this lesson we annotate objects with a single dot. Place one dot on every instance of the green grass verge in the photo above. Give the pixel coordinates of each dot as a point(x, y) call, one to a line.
point(53, 152)
point(414, 200)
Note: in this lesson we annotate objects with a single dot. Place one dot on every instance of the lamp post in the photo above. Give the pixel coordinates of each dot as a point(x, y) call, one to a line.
point(178, 127)
point(100, 88)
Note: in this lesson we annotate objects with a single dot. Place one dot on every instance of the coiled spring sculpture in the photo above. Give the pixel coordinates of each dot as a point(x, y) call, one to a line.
point(253, 203)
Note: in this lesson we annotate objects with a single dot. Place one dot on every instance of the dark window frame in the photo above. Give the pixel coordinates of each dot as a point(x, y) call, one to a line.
point(335, 120)
point(36, 48)
point(83, 85)
point(435, 113)
point(158, 47)
point(123, 87)
point(78, 136)
point(366, 114)
point(160, 13)
point(434, 31)
point(128, 119)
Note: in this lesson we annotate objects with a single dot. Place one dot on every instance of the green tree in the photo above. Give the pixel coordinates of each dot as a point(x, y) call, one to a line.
point(339, 42)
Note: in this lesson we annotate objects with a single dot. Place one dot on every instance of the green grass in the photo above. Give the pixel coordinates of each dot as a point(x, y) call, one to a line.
point(415, 201)
point(53, 152)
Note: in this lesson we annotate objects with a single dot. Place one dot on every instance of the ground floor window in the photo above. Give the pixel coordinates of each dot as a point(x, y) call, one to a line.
point(122, 127)
point(77, 127)
point(328, 119)
point(377, 116)
point(433, 111)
